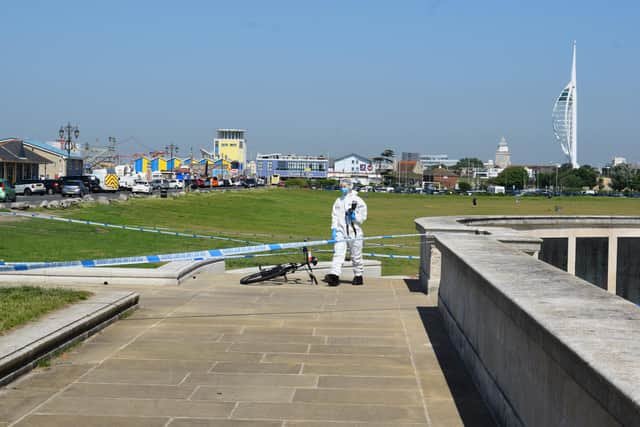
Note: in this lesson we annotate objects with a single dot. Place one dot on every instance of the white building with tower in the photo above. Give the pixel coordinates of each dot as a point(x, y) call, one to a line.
point(565, 116)
point(503, 155)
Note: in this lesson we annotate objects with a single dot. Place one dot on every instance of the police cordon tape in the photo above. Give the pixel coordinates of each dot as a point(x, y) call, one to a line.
point(189, 256)
point(123, 227)
point(156, 230)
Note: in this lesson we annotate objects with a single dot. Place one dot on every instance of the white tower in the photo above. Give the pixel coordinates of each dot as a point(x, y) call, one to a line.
point(565, 116)
point(503, 156)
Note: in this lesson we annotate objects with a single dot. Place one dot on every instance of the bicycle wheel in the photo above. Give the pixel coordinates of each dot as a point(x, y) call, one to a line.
point(263, 275)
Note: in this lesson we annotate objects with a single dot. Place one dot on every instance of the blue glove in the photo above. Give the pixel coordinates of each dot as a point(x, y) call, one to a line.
point(334, 234)
point(353, 215)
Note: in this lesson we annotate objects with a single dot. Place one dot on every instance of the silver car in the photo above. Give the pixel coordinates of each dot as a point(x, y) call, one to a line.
point(74, 188)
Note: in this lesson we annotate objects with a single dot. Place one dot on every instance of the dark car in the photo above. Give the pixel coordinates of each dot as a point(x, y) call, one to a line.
point(249, 183)
point(91, 183)
point(52, 186)
point(73, 188)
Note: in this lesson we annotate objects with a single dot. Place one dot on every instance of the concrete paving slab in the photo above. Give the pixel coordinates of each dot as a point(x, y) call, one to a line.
point(50, 420)
point(253, 380)
point(237, 394)
point(329, 412)
point(214, 353)
point(195, 422)
point(136, 407)
point(359, 396)
point(367, 383)
point(134, 391)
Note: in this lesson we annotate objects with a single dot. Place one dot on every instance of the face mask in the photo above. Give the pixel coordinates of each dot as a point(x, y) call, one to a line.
point(344, 190)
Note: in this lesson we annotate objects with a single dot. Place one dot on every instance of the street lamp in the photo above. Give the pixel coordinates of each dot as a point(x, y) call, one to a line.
point(66, 133)
point(171, 148)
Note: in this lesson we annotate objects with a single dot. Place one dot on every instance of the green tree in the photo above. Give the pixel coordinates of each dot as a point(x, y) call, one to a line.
point(467, 164)
point(464, 186)
point(513, 176)
point(571, 182)
point(546, 180)
point(621, 177)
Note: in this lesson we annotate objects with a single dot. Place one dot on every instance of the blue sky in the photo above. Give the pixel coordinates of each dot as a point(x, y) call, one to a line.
point(324, 77)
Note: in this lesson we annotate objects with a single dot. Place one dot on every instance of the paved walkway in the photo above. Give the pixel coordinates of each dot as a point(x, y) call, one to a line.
point(215, 353)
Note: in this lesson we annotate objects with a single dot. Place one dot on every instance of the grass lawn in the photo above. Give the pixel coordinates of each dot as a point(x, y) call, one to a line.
point(19, 305)
point(263, 215)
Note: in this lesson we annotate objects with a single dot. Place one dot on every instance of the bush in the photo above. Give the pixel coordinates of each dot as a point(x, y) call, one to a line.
point(296, 182)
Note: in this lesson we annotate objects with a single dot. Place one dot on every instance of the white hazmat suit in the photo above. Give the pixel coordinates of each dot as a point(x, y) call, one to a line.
point(347, 228)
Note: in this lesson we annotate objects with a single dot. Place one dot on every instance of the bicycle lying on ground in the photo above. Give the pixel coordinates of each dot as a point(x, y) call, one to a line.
point(283, 269)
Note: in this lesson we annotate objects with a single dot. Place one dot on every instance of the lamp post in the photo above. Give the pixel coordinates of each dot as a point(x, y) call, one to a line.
point(66, 133)
point(171, 148)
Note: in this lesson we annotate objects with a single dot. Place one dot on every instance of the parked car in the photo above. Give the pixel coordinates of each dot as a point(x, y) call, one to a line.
point(30, 186)
point(159, 183)
point(7, 192)
point(90, 182)
point(74, 188)
point(52, 186)
point(176, 184)
point(141, 186)
point(249, 183)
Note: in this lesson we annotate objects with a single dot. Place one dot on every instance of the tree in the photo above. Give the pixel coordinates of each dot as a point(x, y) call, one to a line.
point(546, 180)
point(513, 176)
point(464, 186)
point(571, 182)
point(621, 177)
point(588, 176)
point(468, 163)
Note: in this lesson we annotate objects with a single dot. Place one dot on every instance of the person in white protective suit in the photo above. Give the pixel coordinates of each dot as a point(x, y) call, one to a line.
point(347, 216)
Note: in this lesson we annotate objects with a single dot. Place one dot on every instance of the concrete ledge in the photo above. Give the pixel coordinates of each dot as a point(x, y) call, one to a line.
point(543, 347)
point(172, 273)
point(22, 349)
point(372, 269)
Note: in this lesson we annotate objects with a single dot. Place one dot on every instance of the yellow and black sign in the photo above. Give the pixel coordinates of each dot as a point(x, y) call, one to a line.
point(112, 182)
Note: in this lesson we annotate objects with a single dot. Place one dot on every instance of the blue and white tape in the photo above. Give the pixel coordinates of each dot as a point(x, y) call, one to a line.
point(187, 256)
point(124, 227)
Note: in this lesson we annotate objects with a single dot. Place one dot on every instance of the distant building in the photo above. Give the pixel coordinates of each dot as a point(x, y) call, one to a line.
point(358, 168)
point(440, 178)
point(503, 156)
point(353, 163)
point(434, 160)
point(58, 159)
point(410, 156)
point(618, 161)
point(17, 161)
point(252, 168)
point(231, 145)
point(291, 166)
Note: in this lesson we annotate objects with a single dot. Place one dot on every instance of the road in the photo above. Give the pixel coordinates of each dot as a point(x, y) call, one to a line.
point(35, 199)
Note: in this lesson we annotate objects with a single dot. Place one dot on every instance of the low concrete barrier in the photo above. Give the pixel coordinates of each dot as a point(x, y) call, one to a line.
point(543, 346)
point(171, 274)
point(22, 349)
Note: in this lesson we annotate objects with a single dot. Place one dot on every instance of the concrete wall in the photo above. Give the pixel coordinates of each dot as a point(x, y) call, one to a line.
point(628, 271)
point(544, 347)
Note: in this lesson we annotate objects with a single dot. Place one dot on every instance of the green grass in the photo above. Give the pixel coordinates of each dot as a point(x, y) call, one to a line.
point(269, 215)
point(19, 305)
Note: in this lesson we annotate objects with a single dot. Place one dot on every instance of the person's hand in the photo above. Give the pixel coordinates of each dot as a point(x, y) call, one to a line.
point(353, 215)
point(334, 234)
